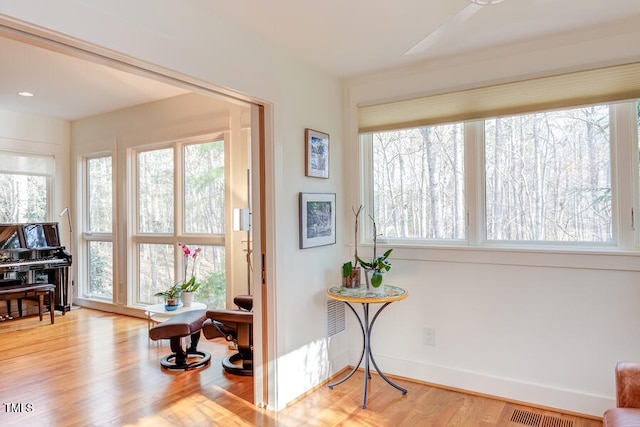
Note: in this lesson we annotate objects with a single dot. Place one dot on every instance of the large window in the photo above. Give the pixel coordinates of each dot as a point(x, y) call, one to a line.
point(25, 186)
point(181, 199)
point(98, 233)
point(531, 178)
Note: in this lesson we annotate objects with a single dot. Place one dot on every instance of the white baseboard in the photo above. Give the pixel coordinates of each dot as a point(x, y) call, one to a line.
point(570, 401)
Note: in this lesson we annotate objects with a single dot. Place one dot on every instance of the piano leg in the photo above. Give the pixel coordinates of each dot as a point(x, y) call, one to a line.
point(52, 298)
point(9, 308)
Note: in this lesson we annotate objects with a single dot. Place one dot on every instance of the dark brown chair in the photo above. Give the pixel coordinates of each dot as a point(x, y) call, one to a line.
point(627, 411)
point(175, 329)
point(235, 326)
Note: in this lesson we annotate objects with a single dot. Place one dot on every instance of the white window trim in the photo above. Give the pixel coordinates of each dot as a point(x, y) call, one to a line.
point(620, 254)
point(83, 250)
point(136, 238)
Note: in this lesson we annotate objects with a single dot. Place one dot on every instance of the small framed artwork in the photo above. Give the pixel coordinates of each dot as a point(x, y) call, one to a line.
point(316, 153)
point(317, 219)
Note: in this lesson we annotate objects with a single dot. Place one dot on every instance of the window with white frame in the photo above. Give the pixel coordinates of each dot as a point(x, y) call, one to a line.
point(540, 177)
point(98, 235)
point(418, 182)
point(180, 199)
point(25, 187)
point(548, 176)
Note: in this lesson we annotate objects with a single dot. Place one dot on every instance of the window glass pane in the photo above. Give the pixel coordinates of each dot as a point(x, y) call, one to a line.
point(23, 198)
point(418, 182)
point(209, 270)
point(156, 271)
point(204, 188)
point(155, 191)
point(100, 194)
point(548, 176)
point(101, 269)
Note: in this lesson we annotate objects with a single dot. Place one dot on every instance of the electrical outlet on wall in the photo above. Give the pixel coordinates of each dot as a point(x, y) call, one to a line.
point(429, 336)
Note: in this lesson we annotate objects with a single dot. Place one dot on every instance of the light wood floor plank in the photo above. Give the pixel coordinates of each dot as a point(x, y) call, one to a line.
point(98, 369)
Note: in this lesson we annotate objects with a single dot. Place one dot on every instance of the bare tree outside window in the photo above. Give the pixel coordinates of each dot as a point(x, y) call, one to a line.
point(100, 205)
point(548, 176)
point(23, 198)
point(210, 273)
point(418, 182)
point(100, 269)
point(100, 194)
point(204, 187)
point(155, 191)
point(155, 270)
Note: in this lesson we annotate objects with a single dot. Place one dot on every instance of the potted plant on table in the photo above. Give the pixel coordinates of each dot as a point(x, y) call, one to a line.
point(184, 289)
point(171, 297)
point(376, 267)
point(351, 270)
point(189, 287)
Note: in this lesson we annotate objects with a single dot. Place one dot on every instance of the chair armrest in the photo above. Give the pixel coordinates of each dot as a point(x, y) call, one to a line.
point(230, 316)
point(628, 385)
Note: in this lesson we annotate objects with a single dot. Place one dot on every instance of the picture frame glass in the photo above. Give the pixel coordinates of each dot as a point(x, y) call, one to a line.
point(317, 219)
point(317, 154)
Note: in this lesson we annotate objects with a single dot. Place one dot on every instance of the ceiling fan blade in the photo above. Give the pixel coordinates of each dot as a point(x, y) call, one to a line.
point(457, 19)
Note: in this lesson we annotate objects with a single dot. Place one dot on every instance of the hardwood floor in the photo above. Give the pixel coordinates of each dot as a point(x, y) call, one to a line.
point(98, 369)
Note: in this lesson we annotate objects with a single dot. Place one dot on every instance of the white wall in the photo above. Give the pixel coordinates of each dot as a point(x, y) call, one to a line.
point(528, 326)
point(189, 38)
point(24, 133)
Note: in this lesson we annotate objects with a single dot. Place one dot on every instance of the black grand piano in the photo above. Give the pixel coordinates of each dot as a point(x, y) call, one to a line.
point(30, 254)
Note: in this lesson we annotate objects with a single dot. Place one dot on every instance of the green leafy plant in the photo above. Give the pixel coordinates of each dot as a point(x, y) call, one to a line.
point(190, 285)
point(378, 264)
point(347, 269)
point(186, 285)
point(171, 293)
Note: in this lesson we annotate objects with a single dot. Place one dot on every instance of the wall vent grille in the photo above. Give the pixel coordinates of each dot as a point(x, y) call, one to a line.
point(529, 418)
point(335, 317)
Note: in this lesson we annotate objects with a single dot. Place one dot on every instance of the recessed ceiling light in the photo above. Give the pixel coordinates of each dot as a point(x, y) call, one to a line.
point(24, 93)
point(486, 2)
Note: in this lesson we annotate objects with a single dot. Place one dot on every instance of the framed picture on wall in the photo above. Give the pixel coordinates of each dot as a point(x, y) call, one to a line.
point(316, 153)
point(317, 219)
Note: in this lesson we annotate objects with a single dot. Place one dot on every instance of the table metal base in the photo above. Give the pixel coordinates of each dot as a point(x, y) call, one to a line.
point(366, 354)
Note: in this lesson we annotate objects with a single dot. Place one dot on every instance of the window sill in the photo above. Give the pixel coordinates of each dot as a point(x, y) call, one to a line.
point(588, 258)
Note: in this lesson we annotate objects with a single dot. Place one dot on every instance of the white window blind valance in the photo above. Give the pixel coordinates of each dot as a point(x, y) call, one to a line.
point(601, 85)
point(29, 164)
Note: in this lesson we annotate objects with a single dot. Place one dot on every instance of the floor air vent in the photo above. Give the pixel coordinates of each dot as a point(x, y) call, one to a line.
point(335, 317)
point(529, 418)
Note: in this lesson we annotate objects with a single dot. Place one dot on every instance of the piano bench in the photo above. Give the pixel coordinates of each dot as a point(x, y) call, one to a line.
point(179, 326)
point(20, 292)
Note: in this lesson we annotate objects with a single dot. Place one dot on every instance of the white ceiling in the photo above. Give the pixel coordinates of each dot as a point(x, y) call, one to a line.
point(66, 87)
point(351, 37)
point(345, 37)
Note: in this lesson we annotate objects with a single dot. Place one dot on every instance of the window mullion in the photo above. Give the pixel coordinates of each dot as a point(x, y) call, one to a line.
point(624, 173)
point(366, 190)
point(474, 181)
